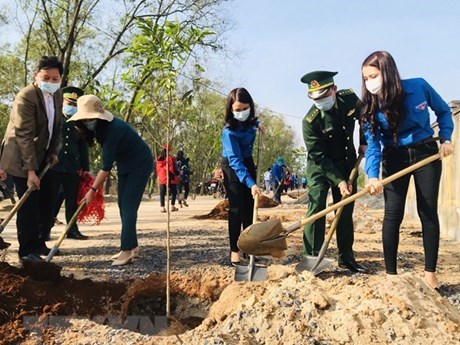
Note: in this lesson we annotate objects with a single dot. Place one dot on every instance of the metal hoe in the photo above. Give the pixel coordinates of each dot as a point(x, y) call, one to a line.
point(253, 272)
point(317, 264)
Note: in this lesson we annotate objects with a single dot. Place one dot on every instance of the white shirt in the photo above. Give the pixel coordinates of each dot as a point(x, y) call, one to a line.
point(267, 176)
point(50, 111)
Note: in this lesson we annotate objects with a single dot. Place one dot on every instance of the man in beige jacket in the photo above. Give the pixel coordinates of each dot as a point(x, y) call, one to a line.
point(30, 142)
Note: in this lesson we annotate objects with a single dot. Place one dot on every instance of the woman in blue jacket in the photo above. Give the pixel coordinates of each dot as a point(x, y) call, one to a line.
point(238, 166)
point(396, 118)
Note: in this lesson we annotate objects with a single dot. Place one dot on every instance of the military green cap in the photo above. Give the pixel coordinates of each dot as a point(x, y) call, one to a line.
point(72, 93)
point(318, 82)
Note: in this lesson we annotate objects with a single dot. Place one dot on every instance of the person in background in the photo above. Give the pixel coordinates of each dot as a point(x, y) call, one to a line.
point(268, 180)
point(238, 166)
point(122, 145)
point(164, 162)
point(183, 164)
point(73, 160)
point(278, 178)
point(286, 180)
point(30, 143)
point(328, 135)
point(396, 118)
point(304, 182)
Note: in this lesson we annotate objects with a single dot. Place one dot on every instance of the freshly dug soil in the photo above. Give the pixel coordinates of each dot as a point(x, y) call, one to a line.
point(220, 211)
point(335, 307)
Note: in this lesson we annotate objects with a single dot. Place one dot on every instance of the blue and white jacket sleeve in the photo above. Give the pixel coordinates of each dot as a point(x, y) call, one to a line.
point(373, 153)
point(235, 158)
point(442, 111)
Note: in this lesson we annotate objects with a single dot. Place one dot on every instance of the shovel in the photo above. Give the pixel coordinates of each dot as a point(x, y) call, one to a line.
point(64, 233)
point(269, 238)
point(253, 272)
point(317, 264)
point(17, 205)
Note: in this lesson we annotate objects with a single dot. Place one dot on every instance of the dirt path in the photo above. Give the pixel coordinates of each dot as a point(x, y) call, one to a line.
point(335, 307)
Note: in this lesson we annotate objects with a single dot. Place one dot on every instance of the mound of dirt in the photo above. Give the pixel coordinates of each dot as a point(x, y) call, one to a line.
point(21, 295)
point(26, 302)
point(220, 211)
point(303, 309)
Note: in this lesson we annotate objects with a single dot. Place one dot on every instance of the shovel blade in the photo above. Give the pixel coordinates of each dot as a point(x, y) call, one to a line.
point(243, 273)
point(251, 239)
point(308, 263)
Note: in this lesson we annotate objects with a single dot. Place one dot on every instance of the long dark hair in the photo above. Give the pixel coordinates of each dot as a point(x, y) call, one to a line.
point(390, 99)
point(91, 137)
point(242, 95)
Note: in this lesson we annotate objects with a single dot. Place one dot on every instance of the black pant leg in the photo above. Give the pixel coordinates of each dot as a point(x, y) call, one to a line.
point(395, 200)
point(186, 190)
point(27, 219)
point(70, 184)
point(162, 194)
point(47, 201)
point(173, 192)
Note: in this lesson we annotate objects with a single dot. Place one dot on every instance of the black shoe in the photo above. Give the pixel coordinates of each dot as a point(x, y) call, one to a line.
point(354, 267)
point(77, 236)
point(31, 258)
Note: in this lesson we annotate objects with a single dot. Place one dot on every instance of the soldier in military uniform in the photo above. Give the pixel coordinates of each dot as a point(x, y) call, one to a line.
point(328, 134)
point(73, 158)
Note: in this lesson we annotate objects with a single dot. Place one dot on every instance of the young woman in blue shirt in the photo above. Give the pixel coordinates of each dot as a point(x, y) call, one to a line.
point(398, 131)
point(237, 164)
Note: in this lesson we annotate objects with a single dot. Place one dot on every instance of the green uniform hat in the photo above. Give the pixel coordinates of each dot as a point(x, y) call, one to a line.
point(318, 82)
point(72, 93)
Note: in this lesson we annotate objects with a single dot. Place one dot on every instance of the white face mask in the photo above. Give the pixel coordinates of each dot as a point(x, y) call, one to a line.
point(324, 104)
point(374, 85)
point(242, 115)
point(49, 87)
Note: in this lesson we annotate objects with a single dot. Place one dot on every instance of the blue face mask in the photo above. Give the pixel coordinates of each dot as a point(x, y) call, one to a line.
point(69, 109)
point(91, 125)
point(49, 87)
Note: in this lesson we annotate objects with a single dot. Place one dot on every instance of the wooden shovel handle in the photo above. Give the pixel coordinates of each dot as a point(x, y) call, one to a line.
point(256, 207)
point(338, 214)
point(22, 200)
point(363, 192)
point(66, 230)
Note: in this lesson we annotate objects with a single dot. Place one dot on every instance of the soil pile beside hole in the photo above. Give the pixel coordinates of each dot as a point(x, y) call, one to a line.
point(303, 309)
point(22, 295)
point(27, 303)
point(191, 299)
point(220, 211)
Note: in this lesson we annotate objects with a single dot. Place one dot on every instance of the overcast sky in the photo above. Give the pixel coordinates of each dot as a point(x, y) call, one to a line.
point(282, 40)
